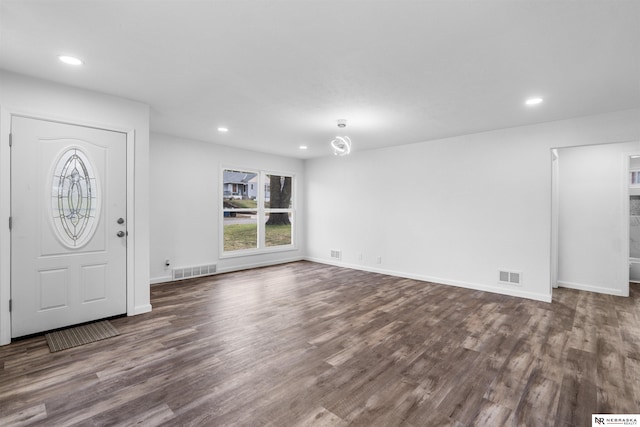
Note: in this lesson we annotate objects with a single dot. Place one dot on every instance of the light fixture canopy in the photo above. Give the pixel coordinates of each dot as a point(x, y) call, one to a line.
point(341, 144)
point(223, 129)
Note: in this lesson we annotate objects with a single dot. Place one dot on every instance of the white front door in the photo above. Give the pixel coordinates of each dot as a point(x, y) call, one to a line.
point(68, 235)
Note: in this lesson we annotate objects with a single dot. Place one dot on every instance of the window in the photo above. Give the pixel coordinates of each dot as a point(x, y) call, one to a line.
point(254, 220)
point(278, 210)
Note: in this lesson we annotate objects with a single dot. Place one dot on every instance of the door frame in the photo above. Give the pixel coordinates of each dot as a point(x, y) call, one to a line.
point(555, 218)
point(626, 202)
point(624, 219)
point(6, 116)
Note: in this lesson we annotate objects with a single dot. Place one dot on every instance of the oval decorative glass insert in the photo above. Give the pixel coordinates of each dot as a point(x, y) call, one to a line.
point(74, 198)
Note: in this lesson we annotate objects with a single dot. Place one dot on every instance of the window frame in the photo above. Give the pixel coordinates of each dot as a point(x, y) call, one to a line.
point(634, 173)
point(261, 213)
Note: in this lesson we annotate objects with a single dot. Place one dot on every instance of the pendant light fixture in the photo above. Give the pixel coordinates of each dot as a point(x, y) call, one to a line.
point(341, 144)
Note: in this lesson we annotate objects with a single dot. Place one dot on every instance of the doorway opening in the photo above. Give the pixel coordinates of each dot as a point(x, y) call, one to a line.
point(590, 240)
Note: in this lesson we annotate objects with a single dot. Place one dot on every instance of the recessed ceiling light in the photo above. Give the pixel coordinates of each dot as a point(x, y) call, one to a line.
point(70, 60)
point(533, 101)
point(303, 147)
point(223, 129)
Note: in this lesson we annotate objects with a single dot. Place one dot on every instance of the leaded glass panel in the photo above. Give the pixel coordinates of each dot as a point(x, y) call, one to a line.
point(75, 197)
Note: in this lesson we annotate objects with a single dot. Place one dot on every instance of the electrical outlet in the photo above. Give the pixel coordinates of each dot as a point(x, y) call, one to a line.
point(379, 260)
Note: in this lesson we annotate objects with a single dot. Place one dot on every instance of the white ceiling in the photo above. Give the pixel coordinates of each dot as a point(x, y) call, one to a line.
point(279, 73)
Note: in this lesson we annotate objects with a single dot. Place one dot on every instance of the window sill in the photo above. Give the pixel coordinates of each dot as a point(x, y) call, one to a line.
point(252, 252)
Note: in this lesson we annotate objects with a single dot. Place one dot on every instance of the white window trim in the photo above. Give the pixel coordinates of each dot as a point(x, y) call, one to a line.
point(262, 211)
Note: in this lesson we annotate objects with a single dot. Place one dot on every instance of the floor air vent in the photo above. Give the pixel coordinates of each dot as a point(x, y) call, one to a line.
point(196, 271)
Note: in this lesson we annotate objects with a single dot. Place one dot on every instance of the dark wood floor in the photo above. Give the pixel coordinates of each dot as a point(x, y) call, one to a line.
point(315, 345)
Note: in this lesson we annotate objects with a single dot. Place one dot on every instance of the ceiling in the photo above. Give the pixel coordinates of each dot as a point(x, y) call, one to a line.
point(279, 74)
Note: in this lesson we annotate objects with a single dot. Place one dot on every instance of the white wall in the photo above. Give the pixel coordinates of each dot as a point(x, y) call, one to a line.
point(24, 95)
point(185, 203)
point(482, 203)
point(594, 217)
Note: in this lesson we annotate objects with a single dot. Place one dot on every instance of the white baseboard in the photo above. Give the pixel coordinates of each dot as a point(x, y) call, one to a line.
point(439, 280)
point(249, 266)
point(592, 288)
point(140, 309)
point(161, 279)
point(220, 270)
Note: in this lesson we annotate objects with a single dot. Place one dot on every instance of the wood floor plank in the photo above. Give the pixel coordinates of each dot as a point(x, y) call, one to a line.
point(316, 345)
point(612, 373)
point(122, 416)
point(510, 382)
point(24, 417)
point(491, 414)
point(633, 368)
point(386, 406)
point(578, 393)
point(538, 402)
point(321, 417)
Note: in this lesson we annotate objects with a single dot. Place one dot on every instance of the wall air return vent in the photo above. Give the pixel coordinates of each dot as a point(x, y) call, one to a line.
point(510, 277)
point(195, 271)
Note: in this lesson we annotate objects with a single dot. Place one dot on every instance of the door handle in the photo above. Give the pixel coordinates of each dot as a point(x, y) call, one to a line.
point(120, 233)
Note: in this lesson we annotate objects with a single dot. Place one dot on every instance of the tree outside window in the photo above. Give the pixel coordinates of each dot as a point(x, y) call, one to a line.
point(277, 202)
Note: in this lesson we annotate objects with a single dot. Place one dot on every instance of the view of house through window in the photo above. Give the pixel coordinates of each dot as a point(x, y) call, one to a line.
point(254, 219)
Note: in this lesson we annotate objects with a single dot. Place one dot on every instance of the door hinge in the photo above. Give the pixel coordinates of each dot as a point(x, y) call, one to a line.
point(10, 140)
point(10, 305)
point(10, 223)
